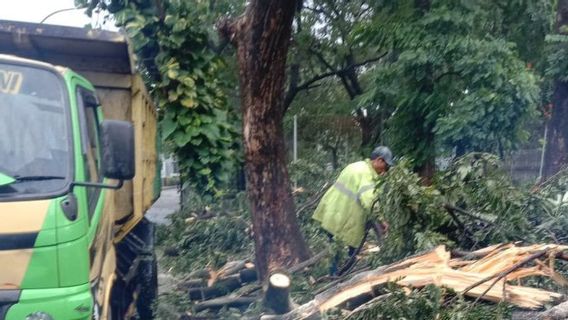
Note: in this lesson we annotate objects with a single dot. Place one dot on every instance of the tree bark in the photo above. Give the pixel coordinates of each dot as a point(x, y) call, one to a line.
point(277, 294)
point(558, 312)
point(426, 171)
point(262, 39)
point(556, 153)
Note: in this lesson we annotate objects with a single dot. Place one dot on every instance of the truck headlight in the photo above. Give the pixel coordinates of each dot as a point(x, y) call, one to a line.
point(39, 316)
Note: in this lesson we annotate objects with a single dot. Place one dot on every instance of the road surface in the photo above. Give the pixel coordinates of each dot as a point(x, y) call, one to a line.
point(167, 204)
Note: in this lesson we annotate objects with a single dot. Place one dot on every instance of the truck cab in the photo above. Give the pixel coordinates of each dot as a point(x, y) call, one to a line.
point(73, 179)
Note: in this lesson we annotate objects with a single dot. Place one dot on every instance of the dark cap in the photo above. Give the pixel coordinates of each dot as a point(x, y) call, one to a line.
point(383, 153)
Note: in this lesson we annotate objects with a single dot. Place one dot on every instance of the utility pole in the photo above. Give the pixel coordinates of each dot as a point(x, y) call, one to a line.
point(295, 143)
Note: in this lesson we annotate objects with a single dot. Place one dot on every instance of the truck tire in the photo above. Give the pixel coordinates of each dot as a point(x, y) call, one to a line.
point(117, 304)
point(148, 286)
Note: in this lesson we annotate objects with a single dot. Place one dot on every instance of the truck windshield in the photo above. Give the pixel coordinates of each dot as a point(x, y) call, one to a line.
point(34, 144)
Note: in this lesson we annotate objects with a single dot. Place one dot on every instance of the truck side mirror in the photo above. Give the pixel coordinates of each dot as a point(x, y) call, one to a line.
point(117, 142)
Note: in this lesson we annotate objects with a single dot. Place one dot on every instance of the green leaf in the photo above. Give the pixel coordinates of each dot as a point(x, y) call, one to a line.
point(205, 171)
point(168, 126)
point(188, 102)
point(173, 73)
point(181, 139)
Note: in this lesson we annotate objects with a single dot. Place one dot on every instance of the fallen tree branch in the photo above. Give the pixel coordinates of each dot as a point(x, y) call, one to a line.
point(307, 263)
point(435, 268)
point(478, 254)
point(558, 312)
point(315, 199)
point(503, 274)
point(368, 305)
point(230, 302)
point(451, 208)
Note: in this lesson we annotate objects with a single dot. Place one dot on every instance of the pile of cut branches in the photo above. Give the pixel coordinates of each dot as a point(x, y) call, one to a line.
point(484, 275)
point(492, 275)
point(438, 259)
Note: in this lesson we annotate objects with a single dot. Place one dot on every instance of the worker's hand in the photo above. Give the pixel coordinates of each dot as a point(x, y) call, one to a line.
point(385, 227)
point(380, 228)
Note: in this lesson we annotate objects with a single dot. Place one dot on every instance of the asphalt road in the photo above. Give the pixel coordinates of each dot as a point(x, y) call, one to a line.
point(167, 204)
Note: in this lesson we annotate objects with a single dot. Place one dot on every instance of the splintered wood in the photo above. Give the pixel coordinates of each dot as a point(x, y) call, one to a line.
point(486, 274)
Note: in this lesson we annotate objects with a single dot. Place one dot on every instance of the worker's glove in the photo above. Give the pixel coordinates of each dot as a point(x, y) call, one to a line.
point(380, 228)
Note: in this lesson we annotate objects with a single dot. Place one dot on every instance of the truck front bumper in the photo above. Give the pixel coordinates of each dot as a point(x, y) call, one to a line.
point(70, 303)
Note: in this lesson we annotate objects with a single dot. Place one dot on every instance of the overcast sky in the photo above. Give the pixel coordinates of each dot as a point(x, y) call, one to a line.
point(37, 10)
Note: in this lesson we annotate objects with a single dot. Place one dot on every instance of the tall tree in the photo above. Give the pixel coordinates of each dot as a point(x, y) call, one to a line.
point(172, 41)
point(556, 155)
point(450, 81)
point(262, 37)
point(327, 44)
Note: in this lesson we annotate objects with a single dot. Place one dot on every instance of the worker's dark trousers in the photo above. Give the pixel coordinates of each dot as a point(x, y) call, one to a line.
point(337, 256)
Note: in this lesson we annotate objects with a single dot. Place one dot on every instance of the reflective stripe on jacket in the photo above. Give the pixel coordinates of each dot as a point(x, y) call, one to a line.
point(344, 209)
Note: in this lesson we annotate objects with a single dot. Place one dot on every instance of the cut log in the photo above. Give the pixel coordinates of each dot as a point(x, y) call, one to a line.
point(229, 302)
point(231, 268)
point(201, 274)
point(223, 286)
point(308, 263)
point(296, 268)
point(248, 276)
point(277, 294)
point(191, 283)
point(228, 269)
point(171, 251)
point(206, 293)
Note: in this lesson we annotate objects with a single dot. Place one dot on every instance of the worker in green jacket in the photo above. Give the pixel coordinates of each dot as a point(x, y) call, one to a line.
point(344, 209)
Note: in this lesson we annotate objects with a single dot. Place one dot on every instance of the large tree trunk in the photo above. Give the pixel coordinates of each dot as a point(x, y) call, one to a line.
point(556, 154)
point(262, 38)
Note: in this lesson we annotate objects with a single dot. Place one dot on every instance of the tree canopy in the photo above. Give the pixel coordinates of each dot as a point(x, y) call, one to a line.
point(454, 80)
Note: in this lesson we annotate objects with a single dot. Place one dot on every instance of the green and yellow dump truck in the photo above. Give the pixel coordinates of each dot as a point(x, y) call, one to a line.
point(78, 170)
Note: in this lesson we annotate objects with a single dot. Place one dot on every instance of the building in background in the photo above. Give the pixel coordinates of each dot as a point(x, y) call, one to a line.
point(170, 170)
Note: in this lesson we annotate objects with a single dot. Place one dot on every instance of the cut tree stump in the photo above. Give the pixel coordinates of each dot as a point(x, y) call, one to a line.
point(277, 294)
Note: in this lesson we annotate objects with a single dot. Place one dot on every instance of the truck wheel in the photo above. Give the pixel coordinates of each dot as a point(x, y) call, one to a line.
point(148, 284)
point(117, 305)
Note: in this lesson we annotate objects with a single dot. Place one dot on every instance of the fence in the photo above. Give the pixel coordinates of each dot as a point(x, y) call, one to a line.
point(335, 135)
point(524, 165)
point(319, 131)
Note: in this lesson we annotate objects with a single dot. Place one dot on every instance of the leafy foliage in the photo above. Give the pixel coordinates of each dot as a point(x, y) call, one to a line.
point(471, 205)
point(426, 304)
point(413, 211)
point(210, 234)
point(326, 41)
point(449, 81)
point(478, 184)
point(172, 47)
point(557, 63)
point(549, 208)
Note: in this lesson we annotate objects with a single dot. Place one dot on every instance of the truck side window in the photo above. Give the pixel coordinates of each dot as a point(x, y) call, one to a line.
point(90, 145)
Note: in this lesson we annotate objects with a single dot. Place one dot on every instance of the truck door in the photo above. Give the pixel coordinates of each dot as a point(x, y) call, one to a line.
point(100, 224)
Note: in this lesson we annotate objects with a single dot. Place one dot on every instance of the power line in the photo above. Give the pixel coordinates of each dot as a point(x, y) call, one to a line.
point(56, 12)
